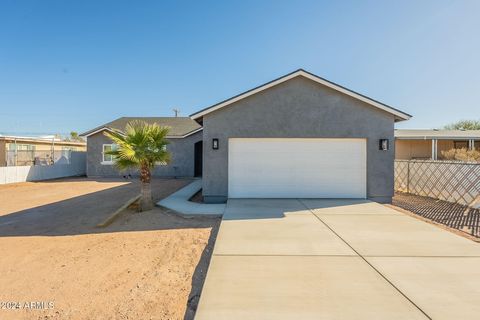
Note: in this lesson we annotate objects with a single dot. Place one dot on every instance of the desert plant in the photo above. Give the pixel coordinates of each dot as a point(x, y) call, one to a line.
point(75, 137)
point(141, 146)
point(462, 154)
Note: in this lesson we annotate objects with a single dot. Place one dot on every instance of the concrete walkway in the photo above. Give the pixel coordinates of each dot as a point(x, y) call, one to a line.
point(337, 259)
point(178, 201)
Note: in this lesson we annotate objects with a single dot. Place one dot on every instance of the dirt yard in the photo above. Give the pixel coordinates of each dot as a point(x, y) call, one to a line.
point(55, 264)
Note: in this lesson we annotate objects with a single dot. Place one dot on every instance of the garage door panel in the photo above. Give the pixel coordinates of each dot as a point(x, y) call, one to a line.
point(297, 168)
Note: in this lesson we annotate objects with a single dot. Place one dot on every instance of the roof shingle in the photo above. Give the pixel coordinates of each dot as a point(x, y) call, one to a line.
point(179, 126)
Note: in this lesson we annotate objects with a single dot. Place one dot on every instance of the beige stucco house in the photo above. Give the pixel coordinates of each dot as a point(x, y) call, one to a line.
point(27, 151)
point(429, 144)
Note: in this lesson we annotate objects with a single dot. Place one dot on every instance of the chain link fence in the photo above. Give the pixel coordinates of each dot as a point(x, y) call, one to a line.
point(76, 166)
point(452, 181)
point(37, 157)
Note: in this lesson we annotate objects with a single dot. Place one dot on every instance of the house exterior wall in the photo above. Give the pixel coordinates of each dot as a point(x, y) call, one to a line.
point(42, 148)
point(413, 149)
point(299, 108)
point(445, 145)
point(408, 149)
point(182, 164)
point(3, 154)
point(47, 146)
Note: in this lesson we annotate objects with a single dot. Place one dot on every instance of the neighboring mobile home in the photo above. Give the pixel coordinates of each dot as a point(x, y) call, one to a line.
point(299, 136)
point(428, 144)
point(27, 151)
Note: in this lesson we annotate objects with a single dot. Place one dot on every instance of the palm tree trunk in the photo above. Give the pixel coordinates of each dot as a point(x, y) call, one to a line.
point(146, 201)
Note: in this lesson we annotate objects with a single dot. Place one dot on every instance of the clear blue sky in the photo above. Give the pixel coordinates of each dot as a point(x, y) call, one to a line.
point(73, 65)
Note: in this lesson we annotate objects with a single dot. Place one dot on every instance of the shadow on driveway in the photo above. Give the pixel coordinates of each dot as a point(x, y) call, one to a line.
point(452, 215)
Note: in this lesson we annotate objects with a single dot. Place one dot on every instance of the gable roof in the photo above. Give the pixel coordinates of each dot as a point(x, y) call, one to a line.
point(436, 134)
point(180, 127)
point(399, 115)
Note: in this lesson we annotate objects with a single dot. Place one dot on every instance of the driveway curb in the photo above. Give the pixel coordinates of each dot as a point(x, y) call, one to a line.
point(116, 213)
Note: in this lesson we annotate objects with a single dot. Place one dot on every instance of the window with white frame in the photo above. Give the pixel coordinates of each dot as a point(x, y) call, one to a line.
point(21, 147)
point(108, 158)
point(162, 163)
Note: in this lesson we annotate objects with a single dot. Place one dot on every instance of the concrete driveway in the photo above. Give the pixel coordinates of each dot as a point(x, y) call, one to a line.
point(337, 259)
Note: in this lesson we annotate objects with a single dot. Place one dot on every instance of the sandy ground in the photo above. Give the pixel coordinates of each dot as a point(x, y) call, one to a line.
point(21, 196)
point(197, 197)
point(147, 265)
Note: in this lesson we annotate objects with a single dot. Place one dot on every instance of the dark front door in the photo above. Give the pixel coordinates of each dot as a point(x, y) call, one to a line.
point(198, 158)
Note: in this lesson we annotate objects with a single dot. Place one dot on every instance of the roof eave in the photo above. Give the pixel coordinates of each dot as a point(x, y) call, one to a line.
point(98, 130)
point(47, 141)
point(406, 117)
point(435, 137)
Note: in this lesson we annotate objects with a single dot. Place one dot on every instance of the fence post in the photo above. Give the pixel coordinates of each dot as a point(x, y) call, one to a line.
point(15, 156)
point(408, 176)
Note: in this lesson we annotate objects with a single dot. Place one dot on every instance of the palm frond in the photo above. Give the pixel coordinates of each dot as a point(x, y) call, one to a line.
point(124, 164)
point(142, 144)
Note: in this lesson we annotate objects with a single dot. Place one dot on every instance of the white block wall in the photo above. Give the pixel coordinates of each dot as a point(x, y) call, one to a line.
point(76, 167)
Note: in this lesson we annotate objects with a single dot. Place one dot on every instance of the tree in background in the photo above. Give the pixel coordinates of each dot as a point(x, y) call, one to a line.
point(141, 147)
point(464, 125)
point(74, 137)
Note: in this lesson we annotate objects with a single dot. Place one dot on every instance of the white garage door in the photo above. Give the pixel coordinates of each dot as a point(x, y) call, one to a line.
point(297, 168)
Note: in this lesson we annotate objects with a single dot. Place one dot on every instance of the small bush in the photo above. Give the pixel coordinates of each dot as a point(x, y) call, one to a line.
point(461, 155)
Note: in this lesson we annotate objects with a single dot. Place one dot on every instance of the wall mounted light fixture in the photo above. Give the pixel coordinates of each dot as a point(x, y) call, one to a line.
point(383, 144)
point(215, 144)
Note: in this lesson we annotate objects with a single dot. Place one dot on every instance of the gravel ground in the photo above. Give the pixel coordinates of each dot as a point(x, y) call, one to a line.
point(148, 265)
point(197, 197)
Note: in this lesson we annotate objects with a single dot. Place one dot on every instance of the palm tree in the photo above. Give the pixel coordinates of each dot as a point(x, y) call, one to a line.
point(141, 146)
